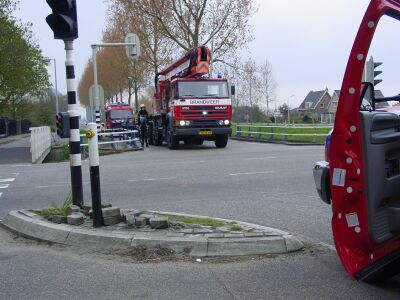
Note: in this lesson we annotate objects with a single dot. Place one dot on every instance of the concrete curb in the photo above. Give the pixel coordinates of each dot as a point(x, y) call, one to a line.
point(266, 241)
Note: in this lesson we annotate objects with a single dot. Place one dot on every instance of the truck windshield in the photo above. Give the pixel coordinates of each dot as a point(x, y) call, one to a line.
point(120, 114)
point(203, 89)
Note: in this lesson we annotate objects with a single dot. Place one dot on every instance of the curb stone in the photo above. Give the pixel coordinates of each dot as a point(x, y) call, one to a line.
point(272, 241)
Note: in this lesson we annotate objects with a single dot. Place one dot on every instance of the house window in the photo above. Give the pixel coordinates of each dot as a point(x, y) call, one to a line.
point(322, 105)
point(308, 105)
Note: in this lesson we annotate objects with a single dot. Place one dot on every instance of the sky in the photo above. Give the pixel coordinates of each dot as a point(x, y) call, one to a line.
point(307, 41)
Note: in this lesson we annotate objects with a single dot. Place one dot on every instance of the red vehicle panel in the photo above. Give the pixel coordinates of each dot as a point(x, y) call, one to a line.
point(360, 254)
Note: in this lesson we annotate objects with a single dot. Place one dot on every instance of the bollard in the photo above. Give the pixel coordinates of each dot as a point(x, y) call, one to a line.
point(94, 163)
point(259, 134)
point(271, 138)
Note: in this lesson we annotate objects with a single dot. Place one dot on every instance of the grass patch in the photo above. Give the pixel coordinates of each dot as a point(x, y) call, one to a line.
point(235, 228)
point(200, 221)
point(57, 210)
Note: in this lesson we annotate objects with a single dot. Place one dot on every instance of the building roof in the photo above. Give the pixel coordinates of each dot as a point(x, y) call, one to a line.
point(313, 98)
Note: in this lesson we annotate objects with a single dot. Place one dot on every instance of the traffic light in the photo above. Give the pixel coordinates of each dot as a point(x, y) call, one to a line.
point(62, 120)
point(63, 21)
point(370, 72)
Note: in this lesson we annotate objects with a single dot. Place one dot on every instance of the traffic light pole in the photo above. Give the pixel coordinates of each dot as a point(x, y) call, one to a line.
point(74, 139)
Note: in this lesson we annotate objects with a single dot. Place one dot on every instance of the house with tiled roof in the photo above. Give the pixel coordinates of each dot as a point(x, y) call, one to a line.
point(332, 107)
point(316, 104)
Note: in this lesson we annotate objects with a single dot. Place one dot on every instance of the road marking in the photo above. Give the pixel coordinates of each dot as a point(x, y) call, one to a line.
point(1, 194)
point(260, 158)
point(7, 180)
point(50, 186)
point(22, 166)
point(251, 173)
point(151, 179)
point(4, 186)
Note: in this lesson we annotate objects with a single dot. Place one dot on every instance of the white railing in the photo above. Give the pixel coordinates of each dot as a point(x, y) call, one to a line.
point(40, 143)
point(263, 132)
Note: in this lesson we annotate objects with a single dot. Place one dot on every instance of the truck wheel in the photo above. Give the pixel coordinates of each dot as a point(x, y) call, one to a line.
point(221, 141)
point(151, 134)
point(158, 138)
point(173, 142)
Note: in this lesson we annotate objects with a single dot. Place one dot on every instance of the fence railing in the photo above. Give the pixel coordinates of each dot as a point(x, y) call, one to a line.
point(126, 136)
point(287, 132)
point(40, 143)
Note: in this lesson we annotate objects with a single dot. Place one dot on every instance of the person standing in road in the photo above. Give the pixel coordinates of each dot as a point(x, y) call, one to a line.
point(142, 120)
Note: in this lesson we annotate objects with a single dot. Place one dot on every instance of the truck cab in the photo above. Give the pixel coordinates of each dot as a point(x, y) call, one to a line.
point(189, 105)
point(119, 116)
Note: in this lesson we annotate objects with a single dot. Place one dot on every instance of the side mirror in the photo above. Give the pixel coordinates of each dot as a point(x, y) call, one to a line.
point(233, 90)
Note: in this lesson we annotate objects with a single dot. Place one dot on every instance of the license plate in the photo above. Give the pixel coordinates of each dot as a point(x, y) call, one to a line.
point(206, 132)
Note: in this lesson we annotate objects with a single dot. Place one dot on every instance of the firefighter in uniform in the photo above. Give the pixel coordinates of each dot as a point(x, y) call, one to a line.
point(142, 120)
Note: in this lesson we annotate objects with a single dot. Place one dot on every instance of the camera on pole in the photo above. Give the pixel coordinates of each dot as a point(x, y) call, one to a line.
point(63, 21)
point(62, 120)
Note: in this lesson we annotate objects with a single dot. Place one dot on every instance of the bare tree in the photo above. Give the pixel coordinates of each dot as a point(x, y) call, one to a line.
point(223, 25)
point(127, 16)
point(268, 83)
point(250, 93)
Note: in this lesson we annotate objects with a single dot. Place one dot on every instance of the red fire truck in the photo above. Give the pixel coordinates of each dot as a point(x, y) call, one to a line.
point(118, 116)
point(365, 165)
point(189, 106)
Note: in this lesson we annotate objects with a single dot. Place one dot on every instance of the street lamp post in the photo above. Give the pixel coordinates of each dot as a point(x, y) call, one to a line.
point(288, 108)
point(55, 79)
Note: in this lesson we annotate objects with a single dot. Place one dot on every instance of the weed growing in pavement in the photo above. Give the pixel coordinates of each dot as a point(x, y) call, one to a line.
point(199, 221)
point(57, 210)
point(235, 228)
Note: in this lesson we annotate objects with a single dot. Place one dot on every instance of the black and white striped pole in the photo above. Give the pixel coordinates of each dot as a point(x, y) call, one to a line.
point(74, 139)
point(63, 22)
point(96, 95)
point(94, 163)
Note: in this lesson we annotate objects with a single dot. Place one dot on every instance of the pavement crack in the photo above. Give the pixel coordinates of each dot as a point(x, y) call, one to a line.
point(224, 286)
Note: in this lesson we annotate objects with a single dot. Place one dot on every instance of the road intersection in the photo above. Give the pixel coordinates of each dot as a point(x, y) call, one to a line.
point(266, 184)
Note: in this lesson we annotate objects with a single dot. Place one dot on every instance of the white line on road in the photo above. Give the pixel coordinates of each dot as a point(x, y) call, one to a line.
point(4, 186)
point(7, 180)
point(57, 185)
point(251, 173)
point(51, 186)
point(1, 194)
point(22, 166)
point(152, 179)
point(260, 158)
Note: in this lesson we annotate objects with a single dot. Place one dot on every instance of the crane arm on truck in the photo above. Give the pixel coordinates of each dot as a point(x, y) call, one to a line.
point(189, 106)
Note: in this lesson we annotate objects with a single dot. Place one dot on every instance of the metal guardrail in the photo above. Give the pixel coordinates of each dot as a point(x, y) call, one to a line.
point(40, 143)
point(250, 131)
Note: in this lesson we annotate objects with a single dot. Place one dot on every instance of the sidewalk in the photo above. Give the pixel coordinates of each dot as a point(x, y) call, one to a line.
point(13, 138)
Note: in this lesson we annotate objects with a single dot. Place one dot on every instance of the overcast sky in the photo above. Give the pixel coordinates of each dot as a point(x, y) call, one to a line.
point(307, 41)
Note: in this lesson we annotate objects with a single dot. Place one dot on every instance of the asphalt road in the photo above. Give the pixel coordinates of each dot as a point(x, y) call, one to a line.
point(266, 184)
